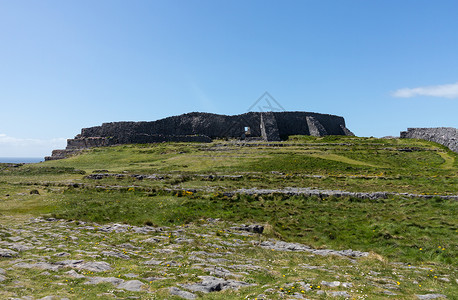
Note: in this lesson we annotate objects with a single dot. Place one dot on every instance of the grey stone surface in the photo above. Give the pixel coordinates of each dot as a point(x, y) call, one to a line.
point(298, 296)
point(151, 279)
point(7, 253)
point(330, 283)
point(334, 193)
point(131, 285)
point(346, 131)
point(284, 246)
point(119, 176)
point(221, 272)
point(115, 254)
point(112, 280)
point(389, 293)
point(20, 246)
point(214, 284)
point(446, 136)
point(320, 292)
point(315, 127)
point(153, 262)
point(220, 265)
point(180, 293)
point(74, 274)
point(127, 246)
point(339, 294)
point(38, 265)
point(170, 263)
point(152, 240)
point(115, 227)
point(95, 266)
point(445, 279)
point(431, 296)
point(71, 263)
point(269, 127)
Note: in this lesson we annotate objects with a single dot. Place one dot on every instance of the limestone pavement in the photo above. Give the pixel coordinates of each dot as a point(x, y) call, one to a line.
point(58, 259)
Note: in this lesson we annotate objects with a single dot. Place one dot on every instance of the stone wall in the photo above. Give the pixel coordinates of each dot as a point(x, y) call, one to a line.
point(61, 154)
point(269, 127)
point(446, 136)
point(204, 127)
point(295, 123)
point(218, 126)
point(89, 142)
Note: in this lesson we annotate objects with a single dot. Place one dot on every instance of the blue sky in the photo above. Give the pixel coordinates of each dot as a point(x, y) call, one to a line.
point(64, 65)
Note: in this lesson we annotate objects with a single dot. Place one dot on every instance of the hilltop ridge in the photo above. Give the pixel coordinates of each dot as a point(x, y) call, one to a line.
point(205, 127)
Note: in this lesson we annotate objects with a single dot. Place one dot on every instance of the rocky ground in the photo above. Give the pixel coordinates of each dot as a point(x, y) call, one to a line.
point(59, 259)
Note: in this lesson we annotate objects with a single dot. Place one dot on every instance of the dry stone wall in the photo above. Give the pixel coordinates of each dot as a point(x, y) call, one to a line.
point(446, 136)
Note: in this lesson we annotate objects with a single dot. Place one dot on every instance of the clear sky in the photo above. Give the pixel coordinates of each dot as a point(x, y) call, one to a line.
point(383, 65)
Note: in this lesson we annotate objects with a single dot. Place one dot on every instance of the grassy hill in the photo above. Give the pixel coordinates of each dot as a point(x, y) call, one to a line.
point(177, 184)
point(349, 163)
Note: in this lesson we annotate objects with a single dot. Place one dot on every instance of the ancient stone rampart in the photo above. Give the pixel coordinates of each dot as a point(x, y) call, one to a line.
point(269, 127)
point(446, 136)
point(218, 126)
point(204, 127)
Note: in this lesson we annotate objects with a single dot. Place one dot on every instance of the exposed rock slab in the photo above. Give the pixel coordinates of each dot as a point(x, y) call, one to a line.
point(131, 285)
point(213, 284)
point(180, 293)
point(7, 253)
point(115, 254)
point(96, 266)
point(39, 265)
point(98, 280)
point(284, 246)
point(431, 296)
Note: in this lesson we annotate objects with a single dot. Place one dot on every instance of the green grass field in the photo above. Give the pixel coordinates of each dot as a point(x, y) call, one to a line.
point(397, 229)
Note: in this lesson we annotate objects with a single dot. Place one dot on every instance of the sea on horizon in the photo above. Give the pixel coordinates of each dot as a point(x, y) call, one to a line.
point(17, 160)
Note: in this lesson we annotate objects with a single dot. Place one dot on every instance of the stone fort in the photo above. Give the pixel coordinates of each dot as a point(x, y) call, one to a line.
point(205, 127)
